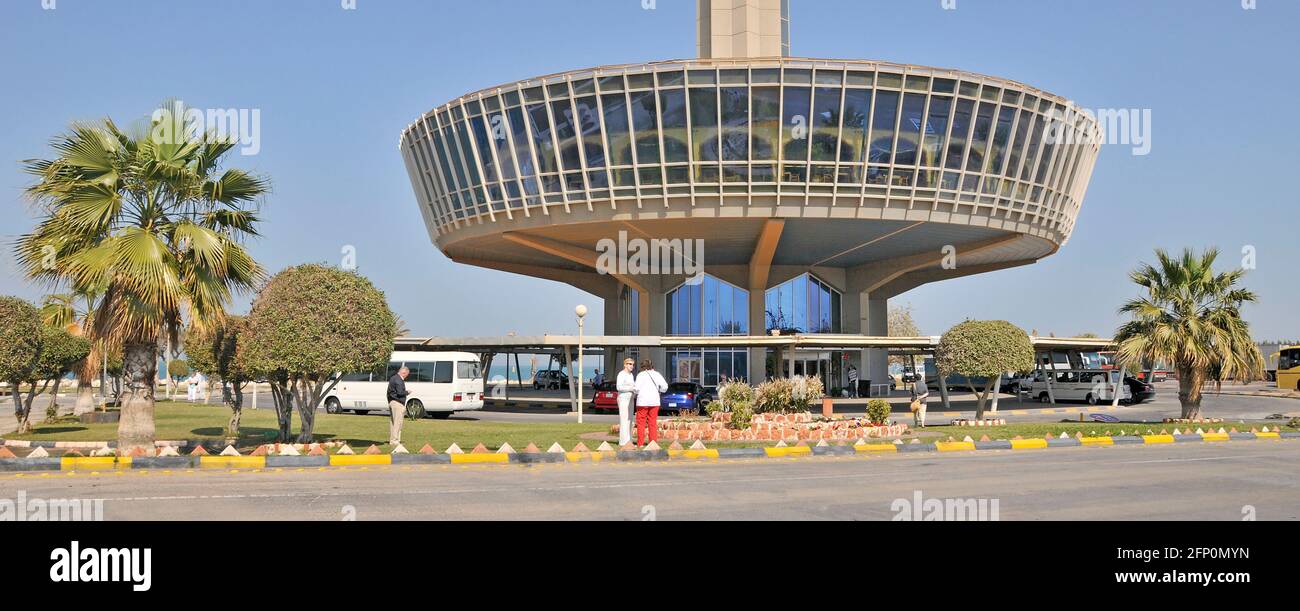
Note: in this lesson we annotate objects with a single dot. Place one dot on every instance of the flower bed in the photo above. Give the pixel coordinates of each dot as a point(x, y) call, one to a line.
point(774, 427)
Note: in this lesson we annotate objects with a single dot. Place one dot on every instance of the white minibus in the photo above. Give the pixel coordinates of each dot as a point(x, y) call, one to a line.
point(1091, 385)
point(440, 384)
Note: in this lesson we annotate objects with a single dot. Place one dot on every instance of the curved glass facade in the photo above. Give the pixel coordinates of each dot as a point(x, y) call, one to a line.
point(710, 308)
point(790, 129)
point(803, 304)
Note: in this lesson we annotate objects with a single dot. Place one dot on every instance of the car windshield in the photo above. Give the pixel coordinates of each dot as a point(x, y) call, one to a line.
point(681, 388)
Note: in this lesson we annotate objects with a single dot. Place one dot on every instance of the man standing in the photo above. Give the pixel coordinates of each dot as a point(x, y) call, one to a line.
point(397, 404)
point(625, 383)
point(853, 381)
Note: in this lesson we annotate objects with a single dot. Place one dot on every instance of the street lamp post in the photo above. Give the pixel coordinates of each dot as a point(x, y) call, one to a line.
point(581, 311)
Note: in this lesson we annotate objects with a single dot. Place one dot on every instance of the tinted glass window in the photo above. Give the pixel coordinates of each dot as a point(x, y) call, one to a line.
point(645, 122)
point(441, 373)
point(673, 105)
point(467, 370)
point(794, 121)
point(882, 127)
point(765, 121)
point(826, 123)
point(356, 377)
point(617, 135)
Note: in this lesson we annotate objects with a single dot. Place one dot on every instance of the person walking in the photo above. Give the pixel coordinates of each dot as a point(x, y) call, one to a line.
point(397, 404)
point(625, 384)
point(649, 383)
point(920, 400)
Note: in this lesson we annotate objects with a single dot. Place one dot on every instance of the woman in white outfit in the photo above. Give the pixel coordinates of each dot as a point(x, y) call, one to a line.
point(626, 386)
point(648, 386)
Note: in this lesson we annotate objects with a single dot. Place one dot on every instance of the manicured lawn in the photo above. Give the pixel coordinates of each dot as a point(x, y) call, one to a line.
point(1089, 429)
point(186, 421)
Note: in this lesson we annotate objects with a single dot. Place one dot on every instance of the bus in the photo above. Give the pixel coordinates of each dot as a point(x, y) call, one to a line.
point(440, 384)
point(1095, 386)
point(1288, 368)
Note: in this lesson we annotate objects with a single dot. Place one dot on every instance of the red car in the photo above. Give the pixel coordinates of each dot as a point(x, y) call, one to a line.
point(606, 398)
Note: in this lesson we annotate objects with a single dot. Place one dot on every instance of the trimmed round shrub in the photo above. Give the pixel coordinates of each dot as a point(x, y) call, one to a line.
point(878, 411)
point(20, 338)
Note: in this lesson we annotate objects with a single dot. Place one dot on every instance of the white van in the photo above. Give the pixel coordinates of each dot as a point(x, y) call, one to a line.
point(440, 384)
point(1091, 385)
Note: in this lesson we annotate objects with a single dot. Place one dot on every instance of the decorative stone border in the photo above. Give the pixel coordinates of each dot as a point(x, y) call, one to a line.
point(980, 423)
point(289, 456)
point(801, 426)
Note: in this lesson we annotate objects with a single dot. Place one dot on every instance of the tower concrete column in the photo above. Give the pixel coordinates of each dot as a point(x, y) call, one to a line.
point(743, 28)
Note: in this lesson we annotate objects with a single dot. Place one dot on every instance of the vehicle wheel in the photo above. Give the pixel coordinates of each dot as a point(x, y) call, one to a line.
point(440, 415)
point(1092, 399)
point(332, 406)
point(415, 410)
point(1044, 398)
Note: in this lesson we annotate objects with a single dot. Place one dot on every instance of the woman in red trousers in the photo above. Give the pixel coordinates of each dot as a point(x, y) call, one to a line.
point(648, 386)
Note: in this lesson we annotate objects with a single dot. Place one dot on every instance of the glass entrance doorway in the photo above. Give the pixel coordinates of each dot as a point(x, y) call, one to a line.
point(824, 365)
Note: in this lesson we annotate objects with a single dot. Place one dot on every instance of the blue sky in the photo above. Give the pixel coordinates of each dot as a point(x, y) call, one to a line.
point(335, 88)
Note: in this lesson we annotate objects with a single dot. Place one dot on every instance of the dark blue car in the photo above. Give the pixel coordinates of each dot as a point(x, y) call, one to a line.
point(685, 397)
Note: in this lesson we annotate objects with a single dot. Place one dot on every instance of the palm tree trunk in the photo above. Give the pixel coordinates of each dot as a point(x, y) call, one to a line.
point(85, 396)
point(87, 369)
point(140, 367)
point(1189, 392)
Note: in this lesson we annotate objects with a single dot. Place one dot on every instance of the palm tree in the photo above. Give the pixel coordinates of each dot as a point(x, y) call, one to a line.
point(1190, 317)
point(149, 216)
point(74, 311)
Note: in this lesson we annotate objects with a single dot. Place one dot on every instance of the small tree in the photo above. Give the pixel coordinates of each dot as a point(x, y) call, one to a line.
point(20, 344)
point(901, 324)
point(984, 349)
point(310, 323)
point(215, 352)
point(60, 351)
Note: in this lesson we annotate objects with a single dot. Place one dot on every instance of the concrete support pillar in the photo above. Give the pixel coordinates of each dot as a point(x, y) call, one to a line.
point(654, 313)
point(875, 323)
point(613, 326)
point(758, 326)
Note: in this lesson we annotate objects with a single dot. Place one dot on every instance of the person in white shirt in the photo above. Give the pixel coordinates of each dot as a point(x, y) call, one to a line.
point(648, 386)
point(626, 386)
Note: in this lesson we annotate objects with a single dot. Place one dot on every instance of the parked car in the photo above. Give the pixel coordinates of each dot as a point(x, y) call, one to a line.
point(686, 397)
point(605, 397)
point(550, 379)
point(1140, 390)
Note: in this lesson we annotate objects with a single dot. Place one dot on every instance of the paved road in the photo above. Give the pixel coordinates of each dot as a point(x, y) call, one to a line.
point(1182, 482)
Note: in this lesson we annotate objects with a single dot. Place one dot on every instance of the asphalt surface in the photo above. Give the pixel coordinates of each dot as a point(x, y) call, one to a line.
point(1201, 481)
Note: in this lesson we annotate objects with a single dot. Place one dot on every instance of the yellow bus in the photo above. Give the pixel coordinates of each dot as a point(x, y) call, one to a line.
point(1288, 368)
